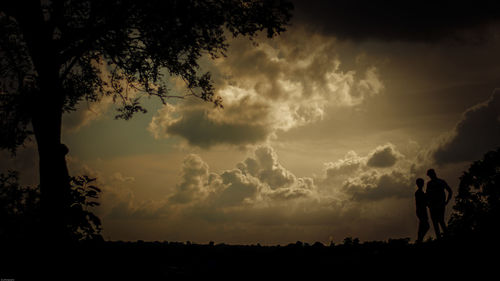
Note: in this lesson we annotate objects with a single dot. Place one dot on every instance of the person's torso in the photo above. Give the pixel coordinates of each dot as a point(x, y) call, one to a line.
point(435, 192)
point(421, 203)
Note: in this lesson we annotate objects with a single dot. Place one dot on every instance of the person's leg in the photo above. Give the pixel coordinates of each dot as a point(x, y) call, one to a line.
point(426, 228)
point(420, 230)
point(435, 221)
point(423, 227)
point(441, 220)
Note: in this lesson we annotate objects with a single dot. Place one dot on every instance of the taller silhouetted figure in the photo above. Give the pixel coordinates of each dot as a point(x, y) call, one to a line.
point(437, 200)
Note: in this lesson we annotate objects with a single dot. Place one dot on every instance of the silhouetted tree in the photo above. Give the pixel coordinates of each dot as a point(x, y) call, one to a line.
point(20, 210)
point(349, 241)
point(477, 208)
point(54, 54)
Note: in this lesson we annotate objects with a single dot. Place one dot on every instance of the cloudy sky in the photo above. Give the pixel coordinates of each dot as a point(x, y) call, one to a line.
point(323, 133)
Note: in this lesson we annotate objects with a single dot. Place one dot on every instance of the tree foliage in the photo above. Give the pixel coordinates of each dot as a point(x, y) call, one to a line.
point(82, 223)
point(477, 208)
point(88, 49)
point(20, 209)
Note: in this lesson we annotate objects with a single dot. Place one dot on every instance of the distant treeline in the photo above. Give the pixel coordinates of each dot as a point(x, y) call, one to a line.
point(176, 260)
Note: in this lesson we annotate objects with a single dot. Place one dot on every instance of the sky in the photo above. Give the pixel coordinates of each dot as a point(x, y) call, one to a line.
point(324, 130)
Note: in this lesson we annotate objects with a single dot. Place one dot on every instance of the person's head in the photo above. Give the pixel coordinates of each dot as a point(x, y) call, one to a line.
point(420, 182)
point(431, 173)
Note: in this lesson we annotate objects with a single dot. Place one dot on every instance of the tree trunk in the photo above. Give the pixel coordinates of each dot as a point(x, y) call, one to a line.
point(47, 110)
point(54, 176)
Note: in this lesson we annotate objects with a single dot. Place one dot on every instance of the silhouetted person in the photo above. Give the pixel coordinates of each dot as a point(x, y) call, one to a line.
point(437, 201)
point(421, 206)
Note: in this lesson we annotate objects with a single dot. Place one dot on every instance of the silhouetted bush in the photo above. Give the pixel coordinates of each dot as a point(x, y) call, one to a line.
point(477, 209)
point(20, 210)
point(349, 241)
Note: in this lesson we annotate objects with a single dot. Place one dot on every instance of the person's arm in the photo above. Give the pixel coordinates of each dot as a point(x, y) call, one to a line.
point(450, 192)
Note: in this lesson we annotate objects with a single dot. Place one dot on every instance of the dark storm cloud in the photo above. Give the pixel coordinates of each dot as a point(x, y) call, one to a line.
point(477, 133)
point(397, 20)
point(201, 131)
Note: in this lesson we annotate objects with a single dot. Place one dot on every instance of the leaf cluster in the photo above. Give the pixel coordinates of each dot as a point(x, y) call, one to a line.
point(82, 223)
point(20, 209)
point(477, 208)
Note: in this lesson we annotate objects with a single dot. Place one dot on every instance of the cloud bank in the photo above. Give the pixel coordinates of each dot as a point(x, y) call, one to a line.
point(475, 134)
point(242, 204)
point(277, 85)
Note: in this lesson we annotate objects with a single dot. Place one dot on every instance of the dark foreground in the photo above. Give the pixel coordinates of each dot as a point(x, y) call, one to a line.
point(395, 259)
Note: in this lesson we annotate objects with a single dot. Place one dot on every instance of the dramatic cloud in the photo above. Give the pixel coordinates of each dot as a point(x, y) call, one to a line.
point(339, 171)
point(278, 85)
point(376, 186)
point(260, 193)
point(383, 156)
point(359, 178)
point(260, 177)
point(194, 184)
point(475, 134)
point(390, 20)
point(199, 126)
point(278, 182)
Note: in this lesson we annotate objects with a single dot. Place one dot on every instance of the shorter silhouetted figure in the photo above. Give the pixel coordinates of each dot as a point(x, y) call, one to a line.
point(437, 200)
point(421, 205)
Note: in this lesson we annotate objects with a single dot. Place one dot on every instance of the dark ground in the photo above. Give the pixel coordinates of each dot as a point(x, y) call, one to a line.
point(393, 259)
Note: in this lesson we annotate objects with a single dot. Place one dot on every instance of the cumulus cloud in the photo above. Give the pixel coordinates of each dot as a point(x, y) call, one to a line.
point(261, 199)
point(475, 134)
point(383, 156)
point(371, 186)
point(359, 178)
point(194, 184)
point(277, 85)
point(238, 188)
point(338, 171)
point(277, 181)
point(258, 178)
